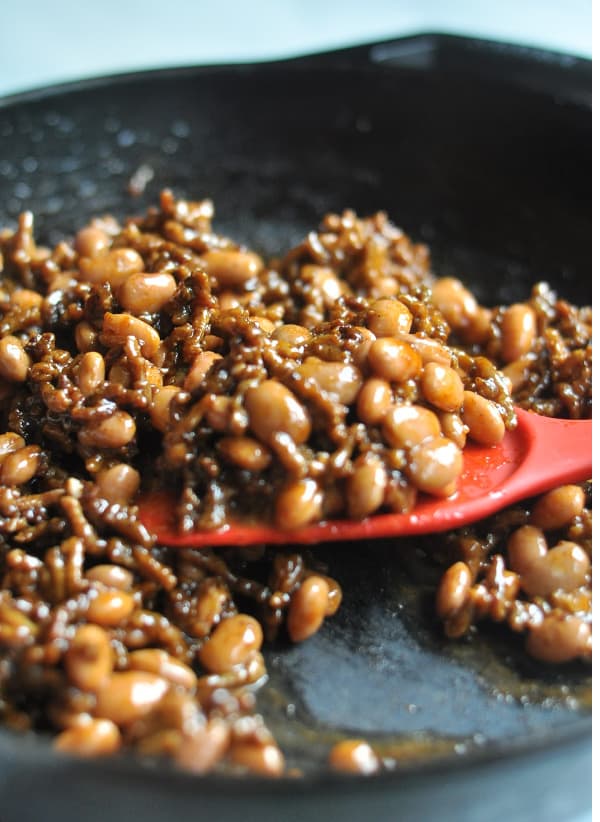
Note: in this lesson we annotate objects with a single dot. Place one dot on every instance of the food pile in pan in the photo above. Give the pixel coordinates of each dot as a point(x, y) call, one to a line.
point(340, 379)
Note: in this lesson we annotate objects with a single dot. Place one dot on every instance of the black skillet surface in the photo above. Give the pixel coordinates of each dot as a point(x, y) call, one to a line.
point(482, 150)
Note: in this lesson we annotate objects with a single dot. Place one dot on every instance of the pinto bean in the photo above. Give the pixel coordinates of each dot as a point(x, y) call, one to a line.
point(14, 361)
point(405, 426)
point(232, 643)
point(114, 267)
point(245, 452)
point(341, 380)
point(456, 302)
point(91, 241)
point(434, 465)
point(519, 330)
point(90, 373)
point(374, 401)
point(354, 756)
point(526, 546)
point(442, 387)
point(9, 443)
point(89, 658)
point(393, 360)
point(200, 368)
point(119, 483)
point(117, 327)
point(110, 608)
point(453, 590)
point(111, 432)
point(272, 408)
point(160, 406)
point(365, 489)
point(483, 418)
point(559, 639)
point(388, 318)
point(556, 508)
point(264, 759)
point(298, 504)
point(112, 576)
point(96, 737)
point(144, 293)
point(158, 661)
point(20, 466)
point(126, 696)
point(230, 267)
point(308, 608)
point(199, 751)
point(565, 566)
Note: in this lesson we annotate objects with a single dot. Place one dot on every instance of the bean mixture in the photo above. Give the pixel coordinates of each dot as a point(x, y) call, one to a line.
point(340, 379)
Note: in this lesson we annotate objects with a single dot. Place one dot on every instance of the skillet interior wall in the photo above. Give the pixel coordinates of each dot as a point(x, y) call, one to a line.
point(493, 175)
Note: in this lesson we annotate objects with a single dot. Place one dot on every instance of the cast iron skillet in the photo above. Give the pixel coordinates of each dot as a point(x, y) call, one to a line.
point(480, 149)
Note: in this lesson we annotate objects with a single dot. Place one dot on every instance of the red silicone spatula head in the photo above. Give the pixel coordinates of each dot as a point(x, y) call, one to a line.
point(539, 454)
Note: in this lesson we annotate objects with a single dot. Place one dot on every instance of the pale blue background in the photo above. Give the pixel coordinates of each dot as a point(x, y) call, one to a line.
point(48, 41)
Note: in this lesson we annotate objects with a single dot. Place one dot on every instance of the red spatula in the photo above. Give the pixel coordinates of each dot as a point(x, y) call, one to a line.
point(539, 454)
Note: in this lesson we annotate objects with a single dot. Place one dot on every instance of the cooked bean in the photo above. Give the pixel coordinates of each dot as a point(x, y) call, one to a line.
point(112, 576)
point(360, 354)
point(263, 759)
point(26, 298)
point(86, 336)
point(158, 661)
point(454, 428)
point(388, 318)
point(129, 695)
point(519, 330)
point(9, 443)
point(559, 639)
point(429, 350)
point(111, 432)
point(298, 504)
point(556, 508)
point(365, 489)
point(97, 737)
point(393, 360)
point(110, 608)
point(144, 293)
point(14, 361)
point(442, 387)
point(232, 643)
point(374, 401)
point(91, 241)
point(564, 567)
point(264, 324)
point(89, 658)
point(453, 590)
point(517, 373)
point(199, 751)
point(231, 268)
point(308, 607)
point(405, 426)
point(114, 267)
point(272, 408)
point(119, 483)
point(456, 303)
point(354, 756)
point(160, 406)
point(483, 418)
point(290, 334)
point(334, 597)
point(341, 380)
point(200, 368)
point(117, 327)
point(325, 280)
point(245, 452)
point(20, 466)
point(477, 329)
point(434, 465)
point(526, 546)
point(90, 373)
